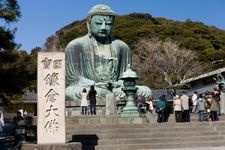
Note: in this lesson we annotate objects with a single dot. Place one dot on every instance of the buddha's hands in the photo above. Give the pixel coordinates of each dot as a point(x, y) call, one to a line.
point(85, 82)
point(101, 84)
point(115, 84)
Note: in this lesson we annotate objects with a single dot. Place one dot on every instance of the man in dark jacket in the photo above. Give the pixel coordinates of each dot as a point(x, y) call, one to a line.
point(160, 108)
point(92, 97)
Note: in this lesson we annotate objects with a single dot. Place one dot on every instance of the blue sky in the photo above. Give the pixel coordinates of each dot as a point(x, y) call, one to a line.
point(42, 18)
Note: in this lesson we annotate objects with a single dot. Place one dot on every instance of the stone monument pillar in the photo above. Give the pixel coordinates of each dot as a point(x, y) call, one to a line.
point(51, 98)
point(110, 102)
point(51, 104)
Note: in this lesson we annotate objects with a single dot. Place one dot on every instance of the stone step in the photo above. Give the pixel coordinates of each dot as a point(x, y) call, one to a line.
point(100, 119)
point(161, 140)
point(139, 130)
point(164, 145)
point(100, 133)
point(151, 140)
point(146, 135)
point(143, 126)
point(87, 119)
point(194, 117)
point(74, 136)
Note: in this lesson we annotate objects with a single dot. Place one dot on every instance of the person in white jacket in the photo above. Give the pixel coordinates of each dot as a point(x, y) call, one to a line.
point(150, 105)
point(84, 102)
point(177, 108)
point(194, 101)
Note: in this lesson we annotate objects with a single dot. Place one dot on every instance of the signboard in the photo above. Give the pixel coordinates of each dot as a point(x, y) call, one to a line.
point(51, 98)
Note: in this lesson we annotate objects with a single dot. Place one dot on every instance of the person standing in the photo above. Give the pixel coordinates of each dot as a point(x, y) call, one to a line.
point(213, 108)
point(150, 107)
point(84, 102)
point(185, 105)
point(92, 97)
point(177, 108)
point(194, 101)
point(201, 108)
point(160, 107)
point(216, 92)
point(2, 123)
point(19, 129)
point(166, 111)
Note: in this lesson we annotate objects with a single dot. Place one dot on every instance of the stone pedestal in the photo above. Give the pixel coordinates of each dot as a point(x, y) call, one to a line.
point(130, 110)
point(222, 102)
point(73, 108)
point(67, 146)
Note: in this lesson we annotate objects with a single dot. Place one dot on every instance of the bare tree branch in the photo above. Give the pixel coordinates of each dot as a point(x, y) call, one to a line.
point(166, 59)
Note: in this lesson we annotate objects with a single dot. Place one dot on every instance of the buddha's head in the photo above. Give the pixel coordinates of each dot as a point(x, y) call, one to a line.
point(100, 21)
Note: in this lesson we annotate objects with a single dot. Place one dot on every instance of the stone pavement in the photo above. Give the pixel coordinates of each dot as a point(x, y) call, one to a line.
point(201, 148)
point(7, 143)
point(7, 138)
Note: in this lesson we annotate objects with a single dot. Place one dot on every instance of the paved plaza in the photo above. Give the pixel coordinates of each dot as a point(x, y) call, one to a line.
point(7, 138)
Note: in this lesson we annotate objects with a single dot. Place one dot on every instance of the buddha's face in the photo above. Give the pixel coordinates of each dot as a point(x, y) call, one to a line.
point(101, 26)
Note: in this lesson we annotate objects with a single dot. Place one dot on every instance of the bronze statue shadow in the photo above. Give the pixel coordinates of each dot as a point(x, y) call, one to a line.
point(88, 141)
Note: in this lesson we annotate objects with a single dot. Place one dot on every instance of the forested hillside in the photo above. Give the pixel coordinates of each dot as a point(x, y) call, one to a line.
point(206, 42)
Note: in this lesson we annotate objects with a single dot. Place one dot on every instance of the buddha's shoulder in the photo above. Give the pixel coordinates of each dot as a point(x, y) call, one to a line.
point(119, 43)
point(78, 41)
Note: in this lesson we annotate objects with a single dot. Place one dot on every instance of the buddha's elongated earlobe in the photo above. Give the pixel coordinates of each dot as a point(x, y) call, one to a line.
point(88, 27)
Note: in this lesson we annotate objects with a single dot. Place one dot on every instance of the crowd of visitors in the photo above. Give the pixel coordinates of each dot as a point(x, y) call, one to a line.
point(206, 104)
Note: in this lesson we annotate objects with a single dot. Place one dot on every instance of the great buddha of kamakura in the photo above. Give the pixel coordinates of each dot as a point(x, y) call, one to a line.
point(97, 58)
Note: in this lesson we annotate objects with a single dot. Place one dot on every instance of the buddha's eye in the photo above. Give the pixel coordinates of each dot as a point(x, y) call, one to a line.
point(98, 23)
point(108, 23)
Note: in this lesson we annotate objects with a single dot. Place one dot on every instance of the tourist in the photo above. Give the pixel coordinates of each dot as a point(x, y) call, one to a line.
point(166, 111)
point(19, 128)
point(177, 108)
point(216, 92)
point(84, 102)
point(201, 108)
point(160, 109)
point(98, 58)
point(2, 123)
point(213, 108)
point(150, 107)
point(185, 105)
point(194, 101)
point(207, 97)
point(92, 97)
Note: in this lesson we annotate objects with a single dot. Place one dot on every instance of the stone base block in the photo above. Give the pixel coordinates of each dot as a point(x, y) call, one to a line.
point(132, 120)
point(129, 114)
point(66, 146)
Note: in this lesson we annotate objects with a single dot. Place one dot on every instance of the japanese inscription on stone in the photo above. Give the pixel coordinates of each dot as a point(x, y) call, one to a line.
point(51, 97)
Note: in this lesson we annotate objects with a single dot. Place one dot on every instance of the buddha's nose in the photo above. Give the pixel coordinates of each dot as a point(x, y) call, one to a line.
point(103, 26)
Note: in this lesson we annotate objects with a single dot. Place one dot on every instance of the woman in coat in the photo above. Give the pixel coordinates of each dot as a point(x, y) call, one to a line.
point(84, 101)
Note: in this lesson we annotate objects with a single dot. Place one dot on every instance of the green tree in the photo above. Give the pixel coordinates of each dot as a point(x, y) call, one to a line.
point(9, 13)
point(10, 67)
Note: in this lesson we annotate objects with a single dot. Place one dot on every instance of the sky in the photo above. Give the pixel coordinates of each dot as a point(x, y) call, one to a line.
point(42, 18)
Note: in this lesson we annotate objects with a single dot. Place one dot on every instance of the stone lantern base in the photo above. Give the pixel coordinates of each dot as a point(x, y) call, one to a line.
point(126, 114)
